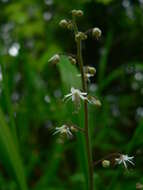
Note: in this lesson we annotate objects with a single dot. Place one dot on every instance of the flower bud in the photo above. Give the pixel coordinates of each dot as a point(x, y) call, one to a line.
point(91, 70)
point(98, 103)
point(139, 185)
point(72, 60)
point(77, 13)
point(80, 36)
point(93, 100)
point(73, 129)
point(70, 26)
point(105, 163)
point(63, 23)
point(96, 33)
point(54, 59)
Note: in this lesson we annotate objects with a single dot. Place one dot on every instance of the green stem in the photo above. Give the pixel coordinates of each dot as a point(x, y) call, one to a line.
point(86, 127)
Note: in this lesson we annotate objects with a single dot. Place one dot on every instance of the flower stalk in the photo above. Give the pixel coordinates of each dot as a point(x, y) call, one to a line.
point(84, 88)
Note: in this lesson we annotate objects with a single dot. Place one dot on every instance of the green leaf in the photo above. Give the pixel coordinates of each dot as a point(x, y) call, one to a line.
point(104, 58)
point(69, 78)
point(10, 155)
point(69, 74)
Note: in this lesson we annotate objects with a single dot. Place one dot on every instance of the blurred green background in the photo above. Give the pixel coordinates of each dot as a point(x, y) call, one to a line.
point(31, 92)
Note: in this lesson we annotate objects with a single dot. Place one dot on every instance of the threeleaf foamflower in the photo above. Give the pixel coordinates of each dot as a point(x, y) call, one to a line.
point(64, 130)
point(123, 159)
point(75, 95)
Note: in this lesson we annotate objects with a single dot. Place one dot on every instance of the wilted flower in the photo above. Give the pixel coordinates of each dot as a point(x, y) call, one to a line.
point(54, 59)
point(123, 159)
point(63, 130)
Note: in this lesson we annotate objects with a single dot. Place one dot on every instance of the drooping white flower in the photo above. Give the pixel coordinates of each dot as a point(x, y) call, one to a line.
point(63, 130)
point(76, 95)
point(124, 159)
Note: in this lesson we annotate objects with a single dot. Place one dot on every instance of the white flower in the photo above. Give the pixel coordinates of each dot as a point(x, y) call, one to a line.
point(123, 159)
point(76, 95)
point(64, 129)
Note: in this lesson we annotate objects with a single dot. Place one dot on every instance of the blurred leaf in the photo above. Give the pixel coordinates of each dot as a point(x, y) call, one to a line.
point(106, 2)
point(9, 153)
point(104, 58)
point(69, 74)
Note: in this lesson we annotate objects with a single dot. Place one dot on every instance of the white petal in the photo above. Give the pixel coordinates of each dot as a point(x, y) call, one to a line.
point(72, 89)
point(83, 93)
point(131, 157)
point(66, 96)
point(131, 162)
point(125, 164)
point(56, 132)
point(82, 97)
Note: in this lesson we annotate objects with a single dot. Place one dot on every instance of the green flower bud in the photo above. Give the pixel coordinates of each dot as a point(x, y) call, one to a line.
point(96, 33)
point(70, 26)
point(73, 129)
point(63, 23)
point(98, 103)
point(105, 163)
point(93, 100)
point(80, 36)
point(74, 12)
point(90, 70)
point(72, 60)
point(77, 13)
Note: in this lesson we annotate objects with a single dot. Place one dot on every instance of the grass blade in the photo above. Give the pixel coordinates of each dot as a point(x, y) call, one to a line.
point(9, 153)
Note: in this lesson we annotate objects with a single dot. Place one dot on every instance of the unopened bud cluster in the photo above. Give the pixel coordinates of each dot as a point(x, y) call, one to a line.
point(80, 36)
point(77, 13)
point(66, 24)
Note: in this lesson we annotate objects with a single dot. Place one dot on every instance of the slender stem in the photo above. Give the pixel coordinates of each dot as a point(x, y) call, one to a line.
point(86, 127)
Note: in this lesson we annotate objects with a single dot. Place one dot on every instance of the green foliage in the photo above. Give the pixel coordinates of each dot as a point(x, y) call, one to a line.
point(10, 154)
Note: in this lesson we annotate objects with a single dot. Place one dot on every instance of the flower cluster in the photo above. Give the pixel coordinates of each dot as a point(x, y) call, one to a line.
point(77, 95)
